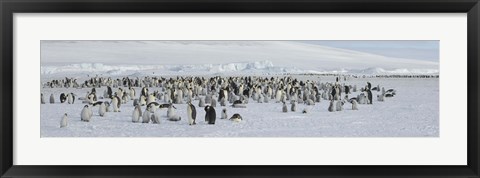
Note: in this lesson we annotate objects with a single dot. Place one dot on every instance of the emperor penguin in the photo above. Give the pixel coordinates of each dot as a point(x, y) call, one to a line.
point(102, 109)
point(91, 98)
point(137, 113)
point(310, 102)
point(64, 121)
point(380, 97)
point(192, 114)
point(146, 116)
point(293, 108)
point(151, 98)
point(143, 100)
point(369, 95)
point(115, 104)
point(278, 96)
point(155, 117)
point(331, 108)
point(132, 92)
point(201, 102)
point(86, 114)
point(213, 103)
point(63, 98)
point(70, 99)
point(210, 114)
point(236, 117)
point(223, 101)
point(224, 113)
point(354, 105)
point(284, 108)
point(339, 105)
point(42, 100)
point(306, 110)
point(172, 116)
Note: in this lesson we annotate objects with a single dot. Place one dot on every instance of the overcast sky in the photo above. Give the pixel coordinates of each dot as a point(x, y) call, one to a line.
point(411, 49)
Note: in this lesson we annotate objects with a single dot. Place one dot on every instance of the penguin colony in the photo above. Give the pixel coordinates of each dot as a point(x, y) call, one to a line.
point(204, 92)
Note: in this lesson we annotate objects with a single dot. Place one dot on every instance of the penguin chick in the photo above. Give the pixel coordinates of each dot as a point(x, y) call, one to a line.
point(137, 113)
point(224, 113)
point(284, 108)
point(86, 114)
point(64, 121)
point(331, 107)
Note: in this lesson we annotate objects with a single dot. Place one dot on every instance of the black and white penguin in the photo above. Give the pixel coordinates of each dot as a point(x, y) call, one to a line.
point(153, 106)
point(70, 98)
point(137, 113)
point(109, 92)
point(306, 110)
point(236, 117)
point(42, 100)
point(92, 98)
point(63, 98)
point(331, 107)
point(224, 113)
point(210, 115)
point(192, 114)
point(86, 114)
point(116, 104)
point(144, 92)
point(369, 96)
point(64, 121)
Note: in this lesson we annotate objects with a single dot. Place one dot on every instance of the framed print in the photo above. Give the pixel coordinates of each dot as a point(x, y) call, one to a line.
point(239, 89)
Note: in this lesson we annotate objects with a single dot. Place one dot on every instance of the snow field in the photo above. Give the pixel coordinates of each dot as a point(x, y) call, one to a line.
point(413, 112)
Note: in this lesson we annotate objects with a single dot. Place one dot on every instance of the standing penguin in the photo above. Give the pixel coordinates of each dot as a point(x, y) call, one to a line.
point(52, 99)
point(284, 108)
point(339, 105)
point(172, 116)
point(210, 114)
point(192, 114)
point(224, 113)
point(214, 103)
point(137, 113)
point(63, 98)
point(331, 108)
point(294, 106)
point(70, 98)
point(64, 121)
point(42, 100)
point(369, 96)
point(116, 104)
point(102, 109)
point(155, 117)
point(146, 116)
point(354, 105)
point(86, 114)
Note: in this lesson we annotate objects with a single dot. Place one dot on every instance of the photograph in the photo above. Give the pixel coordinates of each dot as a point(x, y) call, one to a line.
point(239, 88)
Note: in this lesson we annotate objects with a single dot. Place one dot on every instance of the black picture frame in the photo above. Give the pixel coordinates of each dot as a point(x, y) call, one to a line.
point(9, 7)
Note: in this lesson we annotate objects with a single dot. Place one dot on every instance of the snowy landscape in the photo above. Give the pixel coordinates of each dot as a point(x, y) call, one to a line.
point(255, 79)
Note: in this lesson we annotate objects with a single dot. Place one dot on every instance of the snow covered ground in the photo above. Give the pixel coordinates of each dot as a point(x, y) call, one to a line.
point(413, 112)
